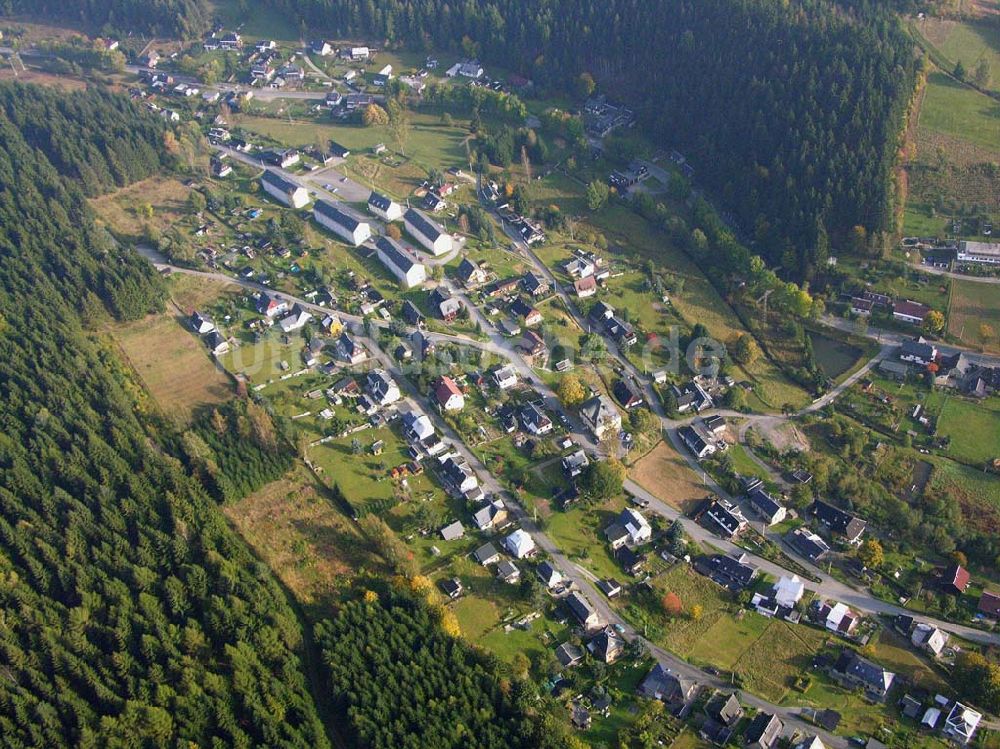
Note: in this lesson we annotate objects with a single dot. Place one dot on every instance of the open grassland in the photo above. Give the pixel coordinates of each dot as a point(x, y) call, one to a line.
point(666, 475)
point(160, 201)
point(430, 145)
point(967, 41)
point(955, 109)
point(294, 527)
point(174, 365)
point(974, 429)
point(686, 634)
point(972, 306)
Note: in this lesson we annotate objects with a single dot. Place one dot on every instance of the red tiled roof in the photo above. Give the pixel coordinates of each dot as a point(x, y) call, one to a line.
point(911, 309)
point(957, 576)
point(444, 389)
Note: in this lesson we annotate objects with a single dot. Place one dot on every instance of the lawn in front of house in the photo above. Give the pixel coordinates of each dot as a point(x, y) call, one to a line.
point(579, 533)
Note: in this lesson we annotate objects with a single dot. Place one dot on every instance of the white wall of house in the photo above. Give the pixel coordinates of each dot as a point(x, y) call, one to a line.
point(298, 198)
point(438, 246)
point(362, 232)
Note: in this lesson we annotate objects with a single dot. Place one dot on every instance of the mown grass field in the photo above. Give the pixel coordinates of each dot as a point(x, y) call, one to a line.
point(972, 305)
point(579, 533)
point(174, 365)
point(974, 429)
point(966, 41)
point(954, 109)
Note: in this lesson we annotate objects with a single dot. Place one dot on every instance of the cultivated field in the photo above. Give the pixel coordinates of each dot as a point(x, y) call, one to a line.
point(174, 365)
point(972, 305)
point(664, 474)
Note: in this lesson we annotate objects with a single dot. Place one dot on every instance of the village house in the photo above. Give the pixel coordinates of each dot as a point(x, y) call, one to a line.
point(782, 597)
point(670, 688)
point(519, 544)
point(627, 394)
point(551, 577)
point(714, 425)
point(862, 307)
point(285, 191)
point(852, 670)
point(505, 377)
point(426, 231)
point(766, 506)
point(452, 587)
point(574, 463)
point(600, 416)
point(807, 544)
point(470, 274)
point(382, 387)
point(568, 655)
point(930, 638)
point(585, 287)
point(534, 284)
point(528, 315)
point(216, 343)
point(295, 320)
point(630, 560)
point(698, 445)
point(350, 350)
point(763, 732)
point(453, 531)
point(734, 573)
point(201, 323)
point(270, 306)
point(492, 515)
point(607, 646)
point(486, 555)
point(398, 262)
point(910, 312)
point(457, 473)
point(917, 351)
point(838, 522)
point(836, 617)
point(448, 395)
point(954, 579)
point(691, 397)
point(534, 420)
point(447, 306)
point(989, 605)
point(961, 724)
point(583, 611)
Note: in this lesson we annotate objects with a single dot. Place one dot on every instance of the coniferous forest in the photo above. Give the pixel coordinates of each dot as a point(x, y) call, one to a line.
point(184, 18)
point(130, 614)
point(789, 112)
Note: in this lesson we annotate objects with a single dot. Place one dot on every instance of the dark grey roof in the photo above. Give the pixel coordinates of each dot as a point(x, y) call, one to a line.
point(337, 213)
point(466, 268)
point(764, 729)
point(380, 201)
point(484, 552)
point(726, 570)
point(763, 502)
point(424, 225)
point(811, 547)
point(919, 349)
point(394, 253)
point(276, 180)
point(580, 606)
point(838, 520)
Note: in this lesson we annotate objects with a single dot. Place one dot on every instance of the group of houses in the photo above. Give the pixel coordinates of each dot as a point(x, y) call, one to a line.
point(958, 370)
point(905, 310)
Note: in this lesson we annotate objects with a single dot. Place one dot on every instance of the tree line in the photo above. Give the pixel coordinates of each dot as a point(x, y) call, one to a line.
point(789, 113)
point(183, 18)
point(132, 614)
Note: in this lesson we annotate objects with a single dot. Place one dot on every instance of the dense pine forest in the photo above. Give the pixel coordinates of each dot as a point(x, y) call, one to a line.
point(404, 683)
point(184, 18)
point(789, 112)
point(130, 614)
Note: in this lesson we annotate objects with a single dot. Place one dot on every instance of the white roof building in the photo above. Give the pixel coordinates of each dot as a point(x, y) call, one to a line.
point(505, 377)
point(383, 388)
point(961, 723)
point(929, 637)
point(638, 528)
point(296, 320)
point(519, 544)
point(788, 591)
